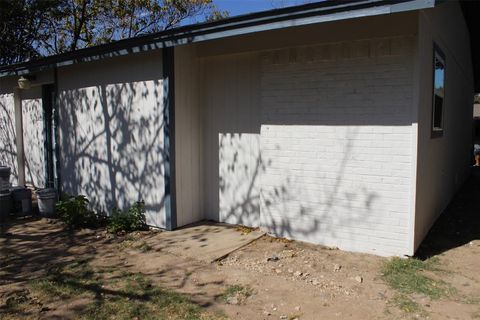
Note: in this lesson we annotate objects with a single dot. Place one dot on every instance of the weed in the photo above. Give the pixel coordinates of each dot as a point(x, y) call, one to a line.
point(244, 230)
point(238, 291)
point(73, 210)
point(127, 221)
point(407, 276)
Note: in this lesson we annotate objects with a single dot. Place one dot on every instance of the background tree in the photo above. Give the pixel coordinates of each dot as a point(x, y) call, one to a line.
point(20, 22)
point(45, 27)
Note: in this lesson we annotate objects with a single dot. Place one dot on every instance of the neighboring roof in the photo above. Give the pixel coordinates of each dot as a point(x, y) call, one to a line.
point(249, 23)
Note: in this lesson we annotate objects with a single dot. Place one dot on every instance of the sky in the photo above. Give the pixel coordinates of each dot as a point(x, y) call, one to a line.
point(239, 7)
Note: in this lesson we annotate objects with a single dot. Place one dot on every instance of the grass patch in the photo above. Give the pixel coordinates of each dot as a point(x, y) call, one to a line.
point(408, 276)
point(237, 292)
point(124, 295)
point(64, 282)
point(137, 297)
point(404, 303)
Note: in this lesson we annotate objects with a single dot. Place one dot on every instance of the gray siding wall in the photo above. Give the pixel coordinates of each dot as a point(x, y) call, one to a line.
point(8, 148)
point(33, 137)
point(111, 132)
point(442, 162)
point(188, 137)
point(231, 102)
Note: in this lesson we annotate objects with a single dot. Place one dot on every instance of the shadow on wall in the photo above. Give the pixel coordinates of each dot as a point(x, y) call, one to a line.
point(112, 145)
point(288, 208)
point(318, 148)
point(33, 137)
point(8, 149)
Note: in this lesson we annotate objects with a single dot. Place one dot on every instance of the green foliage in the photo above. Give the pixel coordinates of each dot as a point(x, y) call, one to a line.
point(20, 25)
point(127, 221)
point(408, 276)
point(33, 28)
point(73, 210)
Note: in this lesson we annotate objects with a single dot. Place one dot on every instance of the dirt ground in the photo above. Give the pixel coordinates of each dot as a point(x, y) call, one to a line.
point(268, 279)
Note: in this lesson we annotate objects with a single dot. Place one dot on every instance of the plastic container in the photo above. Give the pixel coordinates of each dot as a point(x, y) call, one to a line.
point(22, 201)
point(5, 205)
point(4, 178)
point(46, 202)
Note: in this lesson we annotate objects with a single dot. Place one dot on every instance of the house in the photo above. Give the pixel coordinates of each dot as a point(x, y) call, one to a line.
point(340, 123)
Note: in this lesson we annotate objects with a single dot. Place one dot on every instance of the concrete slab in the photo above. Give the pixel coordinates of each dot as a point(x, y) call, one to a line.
point(206, 241)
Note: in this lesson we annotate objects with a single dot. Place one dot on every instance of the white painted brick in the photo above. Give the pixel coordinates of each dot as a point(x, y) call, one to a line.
point(337, 136)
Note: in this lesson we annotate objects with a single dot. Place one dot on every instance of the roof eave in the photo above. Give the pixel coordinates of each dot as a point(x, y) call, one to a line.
point(257, 22)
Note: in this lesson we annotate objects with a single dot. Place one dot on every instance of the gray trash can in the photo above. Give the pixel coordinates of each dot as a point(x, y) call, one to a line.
point(5, 205)
point(22, 201)
point(4, 178)
point(46, 201)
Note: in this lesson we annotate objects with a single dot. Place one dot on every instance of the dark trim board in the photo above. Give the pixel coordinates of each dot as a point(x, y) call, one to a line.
point(170, 199)
point(48, 99)
point(56, 135)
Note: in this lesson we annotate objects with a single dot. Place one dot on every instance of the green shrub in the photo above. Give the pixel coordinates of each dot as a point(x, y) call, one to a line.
point(73, 210)
point(127, 221)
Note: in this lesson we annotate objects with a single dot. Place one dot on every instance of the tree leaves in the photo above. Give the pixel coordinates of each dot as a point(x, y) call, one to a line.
point(33, 28)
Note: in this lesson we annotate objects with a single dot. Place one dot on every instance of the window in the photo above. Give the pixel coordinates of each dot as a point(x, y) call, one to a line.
point(438, 92)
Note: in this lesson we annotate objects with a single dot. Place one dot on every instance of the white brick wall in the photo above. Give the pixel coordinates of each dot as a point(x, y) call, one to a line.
point(336, 140)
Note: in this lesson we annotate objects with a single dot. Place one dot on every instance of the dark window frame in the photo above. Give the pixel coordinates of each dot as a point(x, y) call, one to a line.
point(438, 131)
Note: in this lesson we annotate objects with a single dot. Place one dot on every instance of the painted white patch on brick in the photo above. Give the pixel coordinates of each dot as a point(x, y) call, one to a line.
point(336, 139)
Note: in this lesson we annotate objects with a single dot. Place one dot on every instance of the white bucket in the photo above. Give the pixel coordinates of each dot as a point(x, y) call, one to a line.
point(46, 201)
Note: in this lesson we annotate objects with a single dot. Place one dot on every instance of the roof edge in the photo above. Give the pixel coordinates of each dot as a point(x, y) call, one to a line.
point(255, 22)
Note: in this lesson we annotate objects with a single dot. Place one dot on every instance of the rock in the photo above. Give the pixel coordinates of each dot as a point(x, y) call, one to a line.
point(297, 308)
point(315, 282)
point(232, 300)
point(336, 267)
point(266, 313)
point(290, 270)
point(359, 279)
point(283, 317)
point(273, 258)
point(298, 274)
point(278, 271)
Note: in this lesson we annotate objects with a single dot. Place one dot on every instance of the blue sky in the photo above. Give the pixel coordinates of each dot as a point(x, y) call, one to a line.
point(238, 7)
